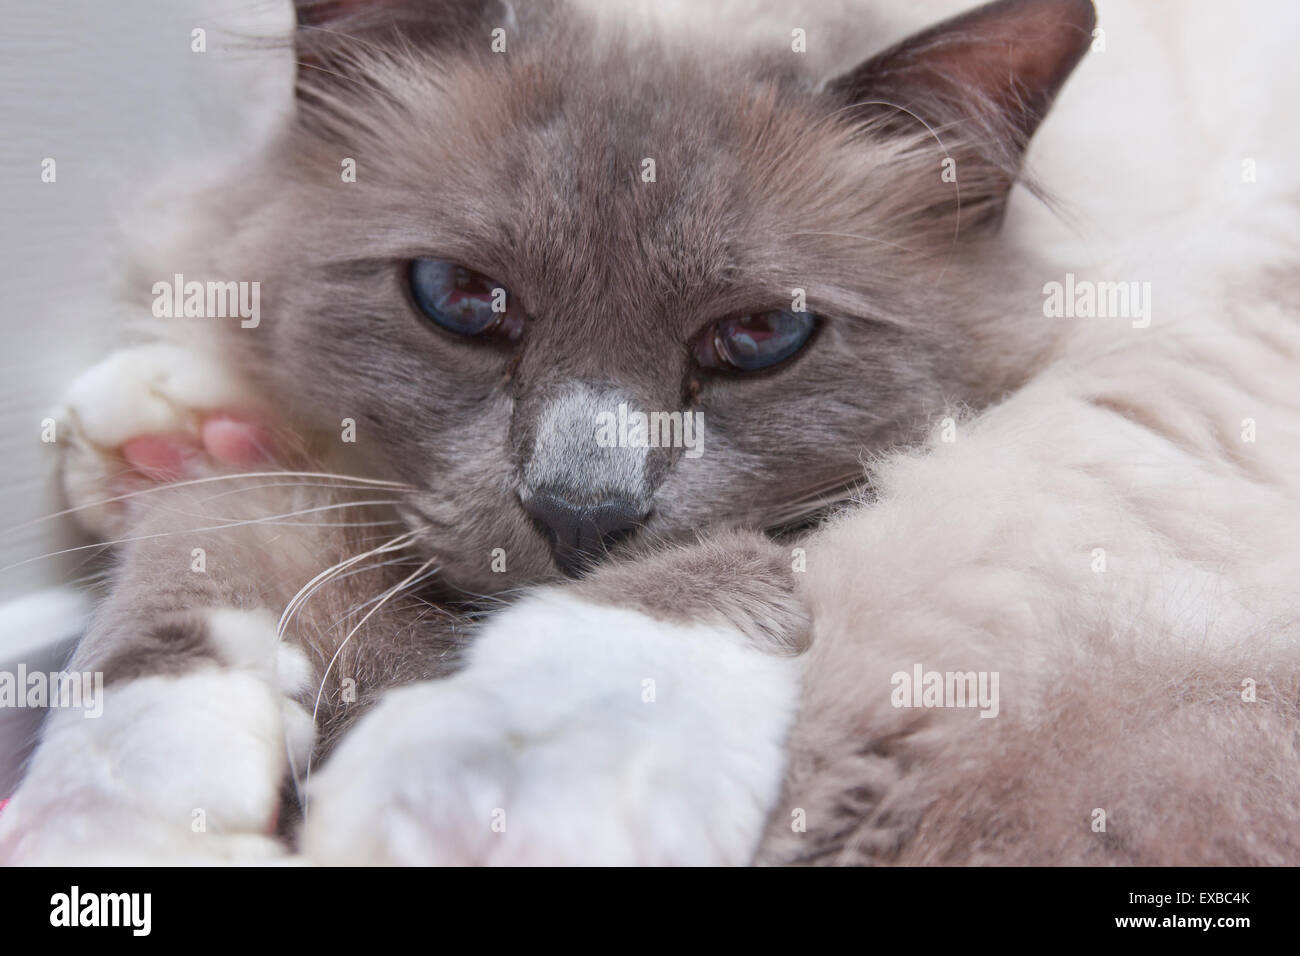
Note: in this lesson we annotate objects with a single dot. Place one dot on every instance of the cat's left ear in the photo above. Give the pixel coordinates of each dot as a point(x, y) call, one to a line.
point(981, 82)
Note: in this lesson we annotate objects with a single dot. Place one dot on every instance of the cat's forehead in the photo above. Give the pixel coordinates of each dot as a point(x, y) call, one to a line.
point(654, 157)
point(647, 174)
point(664, 120)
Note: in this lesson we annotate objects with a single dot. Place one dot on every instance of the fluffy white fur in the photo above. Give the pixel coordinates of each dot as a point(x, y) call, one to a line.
point(577, 734)
point(1121, 689)
point(148, 389)
point(124, 788)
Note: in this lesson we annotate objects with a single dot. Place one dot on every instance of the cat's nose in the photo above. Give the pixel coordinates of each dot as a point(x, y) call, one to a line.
point(581, 534)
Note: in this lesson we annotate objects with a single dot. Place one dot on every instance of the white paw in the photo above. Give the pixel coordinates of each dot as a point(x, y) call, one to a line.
point(157, 390)
point(178, 769)
point(578, 734)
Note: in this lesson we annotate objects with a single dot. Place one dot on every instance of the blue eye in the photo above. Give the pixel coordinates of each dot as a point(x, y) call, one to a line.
point(756, 341)
point(463, 301)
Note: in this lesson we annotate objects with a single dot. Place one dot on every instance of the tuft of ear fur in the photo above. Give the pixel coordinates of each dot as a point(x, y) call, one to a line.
point(979, 83)
point(331, 33)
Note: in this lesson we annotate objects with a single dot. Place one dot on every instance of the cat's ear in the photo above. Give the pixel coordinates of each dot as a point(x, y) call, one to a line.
point(331, 33)
point(981, 82)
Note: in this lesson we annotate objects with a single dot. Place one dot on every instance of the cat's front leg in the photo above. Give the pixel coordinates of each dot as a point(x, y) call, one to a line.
point(177, 753)
point(638, 717)
point(193, 709)
point(186, 714)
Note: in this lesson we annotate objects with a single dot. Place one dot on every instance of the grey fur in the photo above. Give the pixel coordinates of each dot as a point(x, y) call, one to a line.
point(526, 166)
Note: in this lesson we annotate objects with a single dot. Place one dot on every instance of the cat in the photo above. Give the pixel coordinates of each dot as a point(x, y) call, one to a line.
point(414, 485)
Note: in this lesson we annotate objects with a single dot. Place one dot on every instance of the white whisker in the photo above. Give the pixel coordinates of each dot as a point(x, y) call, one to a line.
point(286, 484)
point(308, 589)
point(304, 594)
point(366, 482)
point(365, 604)
point(413, 576)
point(217, 527)
point(277, 518)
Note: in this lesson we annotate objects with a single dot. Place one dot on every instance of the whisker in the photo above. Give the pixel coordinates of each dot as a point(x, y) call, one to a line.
point(822, 495)
point(302, 596)
point(334, 524)
point(310, 588)
point(330, 666)
point(286, 484)
point(167, 534)
point(276, 518)
point(372, 482)
point(353, 610)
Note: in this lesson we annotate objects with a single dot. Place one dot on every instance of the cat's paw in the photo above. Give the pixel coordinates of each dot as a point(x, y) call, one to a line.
point(577, 734)
point(150, 414)
point(181, 769)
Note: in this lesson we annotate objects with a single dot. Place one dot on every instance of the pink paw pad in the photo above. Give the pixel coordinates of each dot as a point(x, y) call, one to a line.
point(224, 439)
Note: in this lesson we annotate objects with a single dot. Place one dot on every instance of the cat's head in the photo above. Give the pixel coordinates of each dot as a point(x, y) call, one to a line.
point(555, 225)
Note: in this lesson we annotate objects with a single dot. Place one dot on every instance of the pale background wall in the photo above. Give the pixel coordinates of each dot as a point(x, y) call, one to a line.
point(112, 92)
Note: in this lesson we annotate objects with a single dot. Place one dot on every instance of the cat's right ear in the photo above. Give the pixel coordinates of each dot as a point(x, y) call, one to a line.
point(333, 35)
point(979, 84)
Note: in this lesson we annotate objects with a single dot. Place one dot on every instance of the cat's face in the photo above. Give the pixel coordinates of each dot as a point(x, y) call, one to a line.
point(676, 231)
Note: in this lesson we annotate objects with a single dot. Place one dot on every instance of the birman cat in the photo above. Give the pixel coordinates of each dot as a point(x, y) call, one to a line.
point(630, 433)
